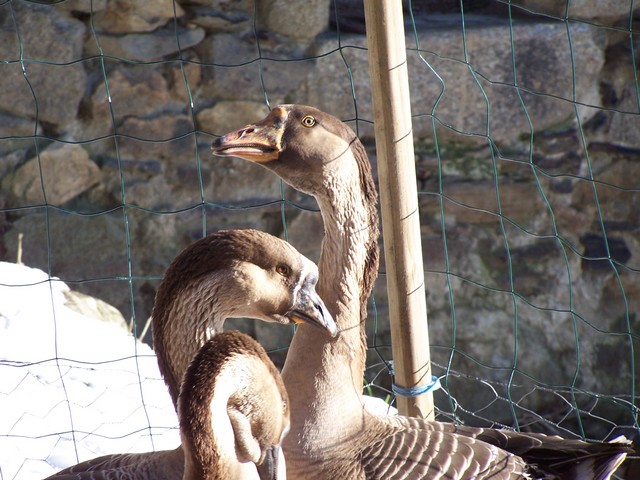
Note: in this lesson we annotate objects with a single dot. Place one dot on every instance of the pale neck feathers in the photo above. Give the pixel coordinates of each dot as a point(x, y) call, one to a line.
point(232, 408)
point(348, 262)
point(348, 267)
point(209, 435)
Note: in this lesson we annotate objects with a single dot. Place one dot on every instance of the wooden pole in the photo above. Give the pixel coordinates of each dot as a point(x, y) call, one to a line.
point(399, 203)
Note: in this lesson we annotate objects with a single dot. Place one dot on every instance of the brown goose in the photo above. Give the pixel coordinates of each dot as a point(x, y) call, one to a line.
point(233, 410)
point(233, 273)
point(332, 436)
point(233, 413)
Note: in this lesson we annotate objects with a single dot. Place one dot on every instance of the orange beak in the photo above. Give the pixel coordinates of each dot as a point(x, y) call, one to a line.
point(259, 142)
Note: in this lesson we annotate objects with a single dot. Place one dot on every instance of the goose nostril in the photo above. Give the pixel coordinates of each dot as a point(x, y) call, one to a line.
point(328, 319)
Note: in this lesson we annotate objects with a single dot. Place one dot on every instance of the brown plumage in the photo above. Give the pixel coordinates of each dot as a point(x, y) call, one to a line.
point(233, 410)
point(332, 436)
point(275, 284)
point(232, 273)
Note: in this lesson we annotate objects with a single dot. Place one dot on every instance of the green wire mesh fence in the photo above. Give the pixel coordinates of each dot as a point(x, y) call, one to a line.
point(527, 126)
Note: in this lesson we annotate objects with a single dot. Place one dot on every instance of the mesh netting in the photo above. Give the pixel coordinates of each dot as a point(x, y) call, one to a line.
point(526, 125)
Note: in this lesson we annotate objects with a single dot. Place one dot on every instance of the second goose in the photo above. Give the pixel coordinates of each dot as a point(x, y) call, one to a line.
point(230, 273)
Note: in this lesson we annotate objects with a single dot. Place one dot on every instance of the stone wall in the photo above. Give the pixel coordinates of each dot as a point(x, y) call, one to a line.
point(119, 104)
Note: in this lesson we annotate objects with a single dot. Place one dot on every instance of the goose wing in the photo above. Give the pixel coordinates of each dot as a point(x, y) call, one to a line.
point(546, 456)
point(163, 465)
point(553, 455)
point(410, 453)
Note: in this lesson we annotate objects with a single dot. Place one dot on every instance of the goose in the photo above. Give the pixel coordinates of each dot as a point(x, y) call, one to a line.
point(229, 273)
point(233, 411)
point(332, 435)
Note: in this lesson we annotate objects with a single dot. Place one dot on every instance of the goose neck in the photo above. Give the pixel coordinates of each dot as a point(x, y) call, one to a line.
point(204, 439)
point(192, 318)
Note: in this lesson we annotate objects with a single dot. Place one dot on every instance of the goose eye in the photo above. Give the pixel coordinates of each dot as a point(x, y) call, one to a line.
point(283, 270)
point(308, 121)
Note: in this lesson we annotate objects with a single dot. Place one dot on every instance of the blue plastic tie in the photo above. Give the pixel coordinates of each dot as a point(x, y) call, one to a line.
point(419, 390)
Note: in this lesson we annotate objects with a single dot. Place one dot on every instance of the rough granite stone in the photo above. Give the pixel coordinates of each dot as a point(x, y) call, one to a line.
point(127, 16)
point(63, 171)
point(47, 84)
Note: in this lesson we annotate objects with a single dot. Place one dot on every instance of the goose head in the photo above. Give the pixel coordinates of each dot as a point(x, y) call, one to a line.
point(308, 148)
point(233, 410)
point(252, 274)
point(231, 273)
point(318, 154)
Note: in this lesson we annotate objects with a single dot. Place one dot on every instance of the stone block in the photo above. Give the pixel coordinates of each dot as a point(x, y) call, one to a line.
point(298, 19)
point(222, 15)
point(134, 91)
point(63, 171)
point(236, 73)
point(47, 85)
point(16, 134)
point(146, 46)
point(606, 11)
point(227, 116)
point(164, 136)
point(83, 6)
point(127, 16)
point(77, 248)
point(186, 78)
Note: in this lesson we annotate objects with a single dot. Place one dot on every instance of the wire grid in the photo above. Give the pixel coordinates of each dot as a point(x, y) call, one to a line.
point(503, 391)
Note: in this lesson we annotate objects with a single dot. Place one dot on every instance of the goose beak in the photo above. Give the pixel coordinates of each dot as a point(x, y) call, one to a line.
point(259, 142)
point(309, 308)
point(271, 467)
